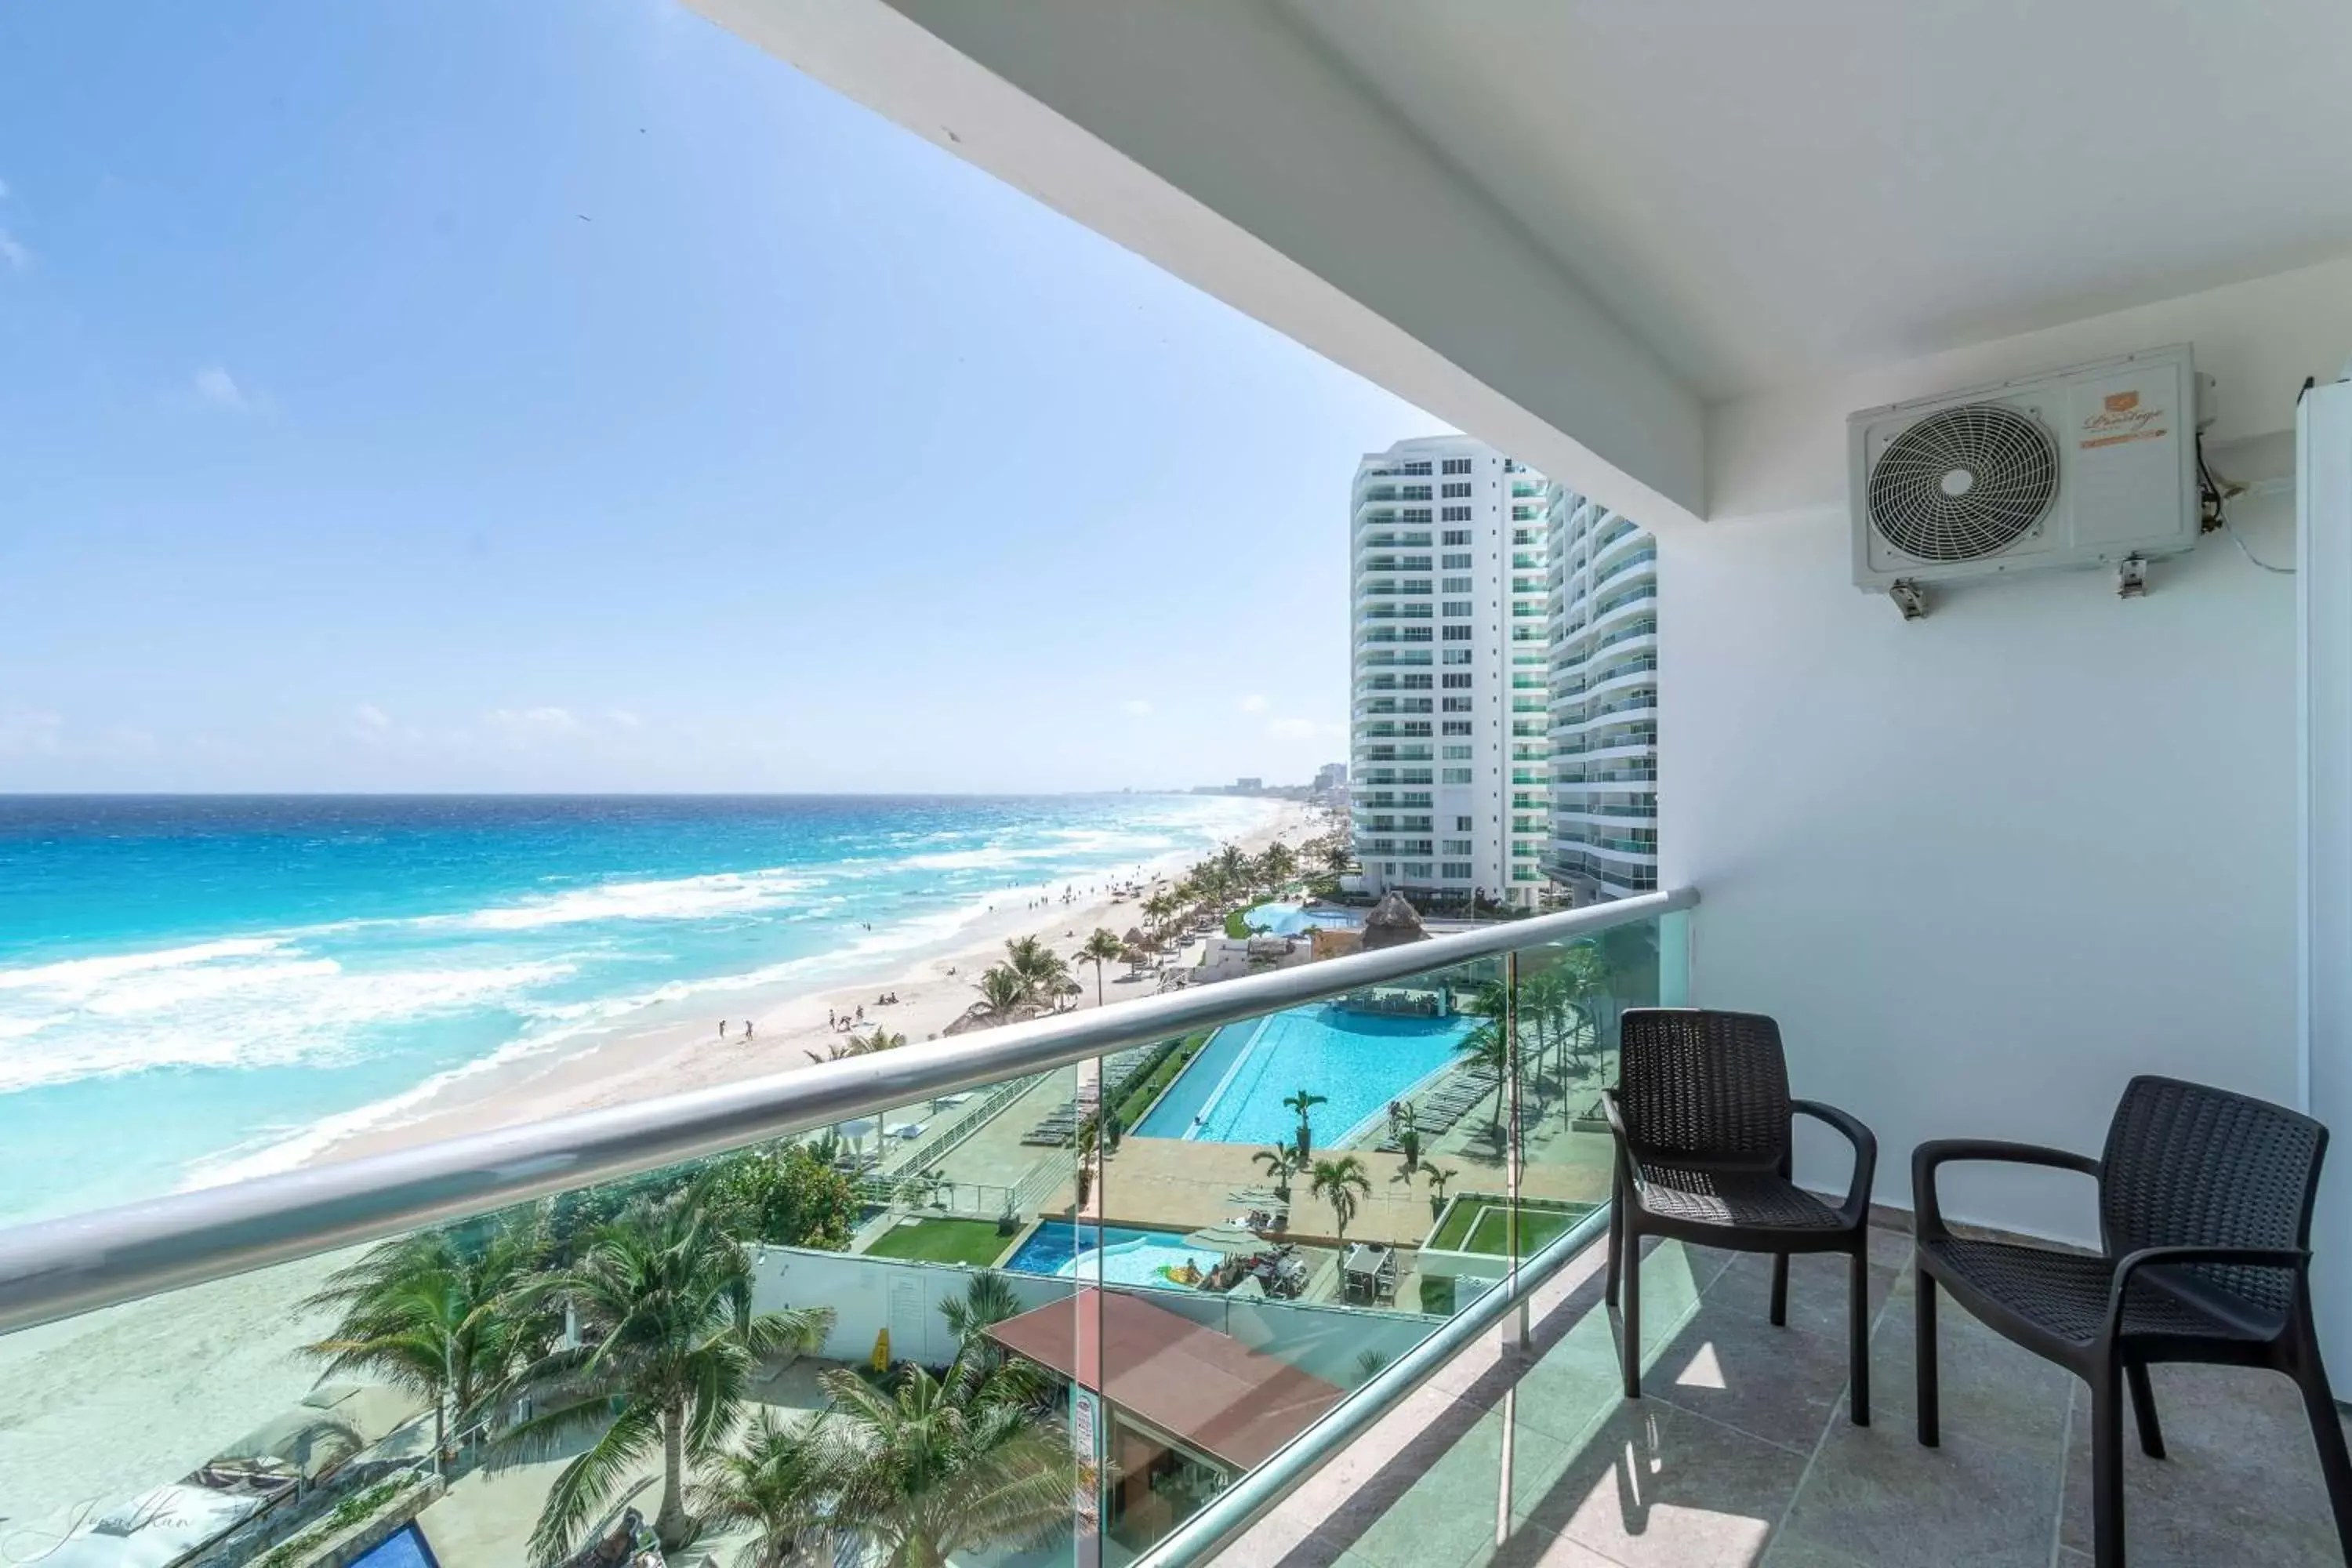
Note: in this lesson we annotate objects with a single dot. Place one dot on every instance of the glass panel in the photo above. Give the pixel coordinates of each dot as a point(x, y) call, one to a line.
point(1133, 1280)
point(735, 1351)
point(1264, 1210)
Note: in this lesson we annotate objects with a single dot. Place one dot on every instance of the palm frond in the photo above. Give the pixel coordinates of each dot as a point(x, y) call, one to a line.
point(589, 1479)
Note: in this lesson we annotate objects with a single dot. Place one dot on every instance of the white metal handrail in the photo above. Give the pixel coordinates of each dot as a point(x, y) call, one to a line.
point(55, 1268)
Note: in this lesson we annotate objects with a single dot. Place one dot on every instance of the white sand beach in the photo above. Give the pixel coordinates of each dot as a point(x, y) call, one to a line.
point(664, 1051)
point(99, 1408)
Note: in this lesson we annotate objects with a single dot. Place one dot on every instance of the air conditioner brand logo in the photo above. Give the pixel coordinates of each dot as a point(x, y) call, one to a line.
point(2121, 417)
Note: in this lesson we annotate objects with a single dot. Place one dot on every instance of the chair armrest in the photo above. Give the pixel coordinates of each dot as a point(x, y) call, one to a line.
point(2295, 1257)
point(1865, 1153)
point(1616, 1116)
point(1927, 1213)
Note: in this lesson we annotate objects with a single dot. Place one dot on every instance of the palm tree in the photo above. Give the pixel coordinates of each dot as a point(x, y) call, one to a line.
point(432, 1313)
point(987, 1300)
point(663, 1298)
point(769, 1487)
point(1100, 949)
point(946, 1466)
point(1343, 1183)
point(1408, 1146)
point(1042, 971)
point(1281, 1162)
point(1488, 1048)
point(1002, 994)
point(1437, 1180)
point(1277, 864)
point(879, 1039)
point(1302, 1103)
point(1585, 980)
point(1088, 1140)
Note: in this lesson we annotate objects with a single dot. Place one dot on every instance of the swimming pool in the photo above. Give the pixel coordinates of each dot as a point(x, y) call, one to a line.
point(1129, 1256)
point(404, 1550)
point(1296, 920)
point(1233, 1091)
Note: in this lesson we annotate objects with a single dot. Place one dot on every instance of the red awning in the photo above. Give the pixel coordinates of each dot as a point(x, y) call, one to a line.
point(1210, 1392)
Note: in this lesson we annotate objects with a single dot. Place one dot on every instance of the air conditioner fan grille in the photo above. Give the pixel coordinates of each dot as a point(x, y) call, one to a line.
point(1964, 483)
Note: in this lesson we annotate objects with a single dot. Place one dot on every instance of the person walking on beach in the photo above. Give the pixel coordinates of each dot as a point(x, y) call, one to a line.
point(722, 1029)
point(747, 1031)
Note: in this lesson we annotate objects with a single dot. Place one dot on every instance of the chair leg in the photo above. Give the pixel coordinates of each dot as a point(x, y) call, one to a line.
point(2108, 1466)
point(2327, 1433)
point(2143, 1397)
point(1630, 1353)
point(1857, 1330)
point(1925, 1354)
point(1616, 1246)
point(1780, 1290)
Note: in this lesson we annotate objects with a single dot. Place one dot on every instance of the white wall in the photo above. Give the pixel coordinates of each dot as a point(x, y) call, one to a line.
point(1987, 866)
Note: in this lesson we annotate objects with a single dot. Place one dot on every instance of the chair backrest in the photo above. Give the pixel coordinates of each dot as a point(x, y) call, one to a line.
point(1710, 1086)
point(2190, 1165)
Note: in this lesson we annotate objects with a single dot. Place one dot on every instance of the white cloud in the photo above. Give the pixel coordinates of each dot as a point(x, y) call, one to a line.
point(29, 732)
point(13, 251)
point(371, 717)
point(1256, 702)
point(522, 726)
point(1302, 730)
point(625, 718)
point(217, 388)
point(1137, 706)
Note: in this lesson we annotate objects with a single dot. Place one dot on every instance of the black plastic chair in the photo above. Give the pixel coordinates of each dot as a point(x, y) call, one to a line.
point(1702, 1116)
point(2205, 1203)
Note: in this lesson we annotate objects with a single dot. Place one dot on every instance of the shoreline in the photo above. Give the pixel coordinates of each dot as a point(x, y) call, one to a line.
point(646, 1057)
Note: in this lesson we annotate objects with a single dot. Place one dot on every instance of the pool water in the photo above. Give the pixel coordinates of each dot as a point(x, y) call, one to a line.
point(1298, 920)
point(405, 1550)
point(1233, 1091)
point(1125, 1256)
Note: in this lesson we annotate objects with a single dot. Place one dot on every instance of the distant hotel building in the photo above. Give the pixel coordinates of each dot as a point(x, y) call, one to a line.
point(1505, 705)
point(1604, 636)
point(1450, 778)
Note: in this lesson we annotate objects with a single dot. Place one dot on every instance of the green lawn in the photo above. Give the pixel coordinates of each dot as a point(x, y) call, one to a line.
point(1480, 1222)
point(973, 1241)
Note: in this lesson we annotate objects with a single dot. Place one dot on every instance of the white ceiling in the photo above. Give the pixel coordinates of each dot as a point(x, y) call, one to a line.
point(1772, 191)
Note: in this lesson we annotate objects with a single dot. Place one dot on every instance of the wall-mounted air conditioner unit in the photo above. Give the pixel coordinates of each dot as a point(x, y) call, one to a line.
point(2092, 466)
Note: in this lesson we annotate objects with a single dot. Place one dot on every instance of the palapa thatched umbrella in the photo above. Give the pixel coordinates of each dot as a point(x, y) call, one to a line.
point(1392, 923)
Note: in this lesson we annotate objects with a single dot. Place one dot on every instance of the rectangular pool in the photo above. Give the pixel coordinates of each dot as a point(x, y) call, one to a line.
point(404, 1550)
point(1233, 1091)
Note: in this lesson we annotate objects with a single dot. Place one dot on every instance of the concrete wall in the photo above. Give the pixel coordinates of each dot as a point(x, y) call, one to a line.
point(1987, 866)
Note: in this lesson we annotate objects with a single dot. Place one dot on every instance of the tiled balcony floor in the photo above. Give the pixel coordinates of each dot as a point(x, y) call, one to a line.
point(1740, 1453)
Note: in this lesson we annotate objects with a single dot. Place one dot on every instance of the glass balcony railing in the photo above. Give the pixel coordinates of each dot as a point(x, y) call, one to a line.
point(1140, 1269)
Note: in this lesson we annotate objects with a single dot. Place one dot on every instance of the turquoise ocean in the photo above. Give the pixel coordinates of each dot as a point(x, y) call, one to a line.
point(193, 987)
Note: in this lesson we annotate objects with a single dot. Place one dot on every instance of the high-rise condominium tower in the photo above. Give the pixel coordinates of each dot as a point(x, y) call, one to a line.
point(1451, 783)
point(1604, 700)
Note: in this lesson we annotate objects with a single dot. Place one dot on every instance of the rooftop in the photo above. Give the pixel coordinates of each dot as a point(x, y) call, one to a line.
point(1208, 1391)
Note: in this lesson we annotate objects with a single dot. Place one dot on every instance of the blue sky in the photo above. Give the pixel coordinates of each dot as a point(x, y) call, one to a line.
point(565, 395)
